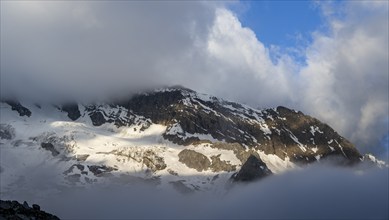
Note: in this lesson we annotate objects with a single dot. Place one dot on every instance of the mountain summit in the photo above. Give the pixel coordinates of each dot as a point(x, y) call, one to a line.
point(173, 136)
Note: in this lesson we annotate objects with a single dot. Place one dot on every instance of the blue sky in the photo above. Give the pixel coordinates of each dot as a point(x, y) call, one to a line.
point(287, 24)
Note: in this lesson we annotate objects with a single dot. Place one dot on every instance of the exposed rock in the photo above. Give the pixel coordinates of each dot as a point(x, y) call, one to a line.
point(219, 165)
point(253, 169)
point(97, 118)
point(36, 207)
point(152, 161)
point(72, 110)
point(16, 106)
point(193, 159)
point(281, 131)
point(7, 132)
point(318, 139)
point(16, 211)
point(101, 170)
point(50, 147)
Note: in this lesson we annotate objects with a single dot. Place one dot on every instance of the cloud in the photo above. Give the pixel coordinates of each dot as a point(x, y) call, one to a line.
point(315, 192)
point(346, 80)
point(91, 50)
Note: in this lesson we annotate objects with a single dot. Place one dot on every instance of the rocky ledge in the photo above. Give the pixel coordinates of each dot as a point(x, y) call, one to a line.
point(15, 211)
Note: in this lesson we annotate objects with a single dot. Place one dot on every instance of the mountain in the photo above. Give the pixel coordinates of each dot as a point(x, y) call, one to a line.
point(172, 137)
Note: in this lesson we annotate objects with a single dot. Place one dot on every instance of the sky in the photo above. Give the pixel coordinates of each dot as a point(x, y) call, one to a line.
point(327, 59)
point(281, 23)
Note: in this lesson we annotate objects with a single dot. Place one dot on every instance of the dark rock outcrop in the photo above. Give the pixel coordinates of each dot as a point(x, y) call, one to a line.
point(16, 211)
point(16, 106)
point(253, 169)
point(72, 110)
point(50, 147)
point(97, 118)
point(101, 170)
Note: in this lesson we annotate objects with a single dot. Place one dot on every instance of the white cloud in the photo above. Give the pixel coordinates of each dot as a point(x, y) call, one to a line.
point(101, 49)
point(346, 77)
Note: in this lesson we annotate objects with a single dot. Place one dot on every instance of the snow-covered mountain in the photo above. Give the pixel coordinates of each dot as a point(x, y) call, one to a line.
point(171, 137)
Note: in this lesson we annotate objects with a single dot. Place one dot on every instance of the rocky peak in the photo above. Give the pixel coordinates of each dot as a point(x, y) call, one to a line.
point(193, 118)
point(253, 169)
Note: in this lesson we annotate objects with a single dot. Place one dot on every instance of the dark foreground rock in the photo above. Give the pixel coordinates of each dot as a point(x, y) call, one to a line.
point(15, 211)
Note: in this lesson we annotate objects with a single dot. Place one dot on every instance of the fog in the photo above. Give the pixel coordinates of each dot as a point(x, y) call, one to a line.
point(315, 192)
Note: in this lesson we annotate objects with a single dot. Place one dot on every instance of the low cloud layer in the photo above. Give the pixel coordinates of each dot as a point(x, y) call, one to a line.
point(313, 193)
point(94, 49)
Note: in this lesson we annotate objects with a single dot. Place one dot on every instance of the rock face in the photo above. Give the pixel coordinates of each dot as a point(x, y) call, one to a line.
point(194, 160)
point(15, 210)
point(193, 118)
point(72, 110)
point(253, 169)
point(16, 106)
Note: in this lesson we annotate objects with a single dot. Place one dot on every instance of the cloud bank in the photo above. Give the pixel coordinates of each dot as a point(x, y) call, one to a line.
point(312, 193)
point(92, 50)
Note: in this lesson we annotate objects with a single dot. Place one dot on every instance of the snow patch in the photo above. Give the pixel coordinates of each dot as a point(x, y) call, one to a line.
point(275, 163)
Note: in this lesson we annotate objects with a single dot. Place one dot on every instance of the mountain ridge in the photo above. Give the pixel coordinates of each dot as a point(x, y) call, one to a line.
point(167, 134)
